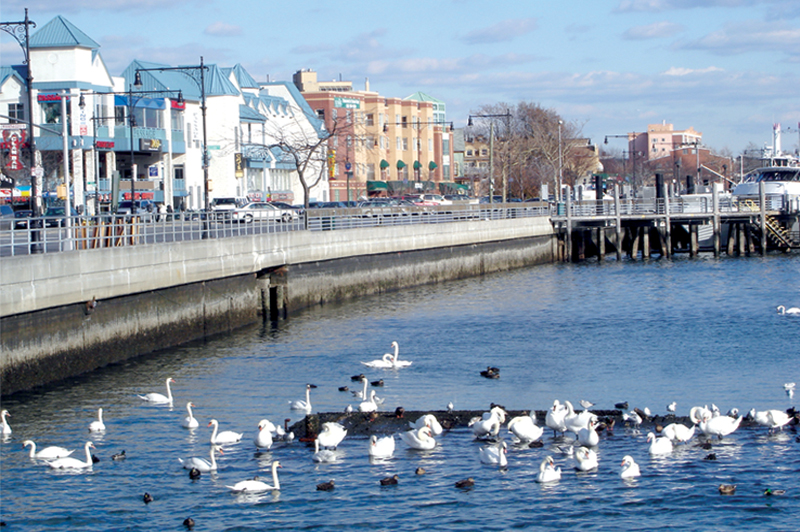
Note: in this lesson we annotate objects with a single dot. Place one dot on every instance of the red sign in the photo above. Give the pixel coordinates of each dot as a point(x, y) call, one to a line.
point(49, 97)
point(13, 139)
point(178, 105)
point(104, 145)
point(139, 195)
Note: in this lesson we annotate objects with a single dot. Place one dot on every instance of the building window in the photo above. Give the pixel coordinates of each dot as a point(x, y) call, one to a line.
point(321, 114)
point(484, 152)
point(349, 141)
point(469, 153)
point(16, 110)
point(370, 120)
point(399, 143)
point(52, 112)
point(405, 143)
point(177, 120)
point(370, 172)
point(404, 121)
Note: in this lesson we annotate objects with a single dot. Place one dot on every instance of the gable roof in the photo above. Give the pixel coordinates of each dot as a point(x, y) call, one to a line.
point(216, 83)
point(61, 33)
point(7, 72)
point(243, 78)
point(422, 97)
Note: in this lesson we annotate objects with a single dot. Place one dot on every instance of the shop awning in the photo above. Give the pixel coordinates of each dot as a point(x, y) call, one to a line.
point(384, 164)
point(374, 186)
point(149, 103)
point(432, 165)
point(417, 165)
point(400, 164)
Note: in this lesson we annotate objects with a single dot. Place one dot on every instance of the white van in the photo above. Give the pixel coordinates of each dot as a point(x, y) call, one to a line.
point(228, 204)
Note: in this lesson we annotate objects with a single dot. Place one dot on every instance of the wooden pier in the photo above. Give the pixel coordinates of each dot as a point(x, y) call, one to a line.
point(666, 225)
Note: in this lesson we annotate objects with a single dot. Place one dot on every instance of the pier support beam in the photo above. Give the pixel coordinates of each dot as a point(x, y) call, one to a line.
point(601, 243)
point(715, 203)
point(693, 245)
point(618, 223)
point(762, 205)
point(645, 242)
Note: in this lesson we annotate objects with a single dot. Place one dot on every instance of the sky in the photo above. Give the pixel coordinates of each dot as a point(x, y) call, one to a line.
point(727, 68)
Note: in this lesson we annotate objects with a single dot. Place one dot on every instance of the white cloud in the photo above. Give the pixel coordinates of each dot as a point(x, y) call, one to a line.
point(750, 36)
point(678, 71)
point(655, 30)
point(222, 29)
point(503, 31)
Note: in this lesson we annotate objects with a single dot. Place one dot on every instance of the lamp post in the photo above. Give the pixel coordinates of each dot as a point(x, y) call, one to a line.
point(560, 165)
point(21, 33)
point(507, 116)
point(196, 74)
point(442, 124)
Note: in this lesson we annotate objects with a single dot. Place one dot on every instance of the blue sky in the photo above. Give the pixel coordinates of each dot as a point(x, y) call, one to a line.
point(728, 68)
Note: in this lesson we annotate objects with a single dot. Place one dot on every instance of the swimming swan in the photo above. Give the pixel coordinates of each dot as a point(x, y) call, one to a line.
point(263, 439)
point(6, 428)
point(255, 485)
point(48, 453)
point(98, 426)
point(629, 468)
point(190, 422)
point(157, 398)
point(369, 405)
point(587, 459)
point(525, 428)
point(662, 445)
point(226, 436)
point(73, 463)
point(495, 455)
point(323, 455)
point(793, 311)
point(381, 447)
point(421, 440)
point(303, 405)
point(201, 465)
point(548, 472)
point(332, 435)
point(428, 420)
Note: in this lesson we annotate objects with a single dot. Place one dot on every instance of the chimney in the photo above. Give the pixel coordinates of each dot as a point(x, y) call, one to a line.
point(366, 84)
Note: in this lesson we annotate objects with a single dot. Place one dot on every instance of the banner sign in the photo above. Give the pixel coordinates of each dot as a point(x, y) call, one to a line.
point(149, 144)
point(346, 103)
point(13, 139)
point(238, 162)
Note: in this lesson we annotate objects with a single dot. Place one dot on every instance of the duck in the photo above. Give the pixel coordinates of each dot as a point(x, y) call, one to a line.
point(5, 428)
point(48, 453)
point(491, 372)
point(381, 448)
point(73, 463)
point(629, 468)
point(678, 432)
point(588, 436)
point(428, 420)
point(587, 459)
point(332, 435)
point(188, 523)
point(769, 492)
point(488, 425)
point(369, 405)
point(119, 456)
point(324, 455)
point(326, 486)
point(203, 466)
point(226, 436)
point(727, 489)
point(525, 429)
point(421, 439)
point(390, 481)
point(378, 382)
point(147, 498)
point(495, 455)
point(263, 439)
point(303, 405)
point(157, 398)
point(98, 425)
point(719, 426)
point(548, 472)
point(465, 483)
point(659, 445)
point(256, 485)
point(194, 473)
point(190, 422)
point(792, 311)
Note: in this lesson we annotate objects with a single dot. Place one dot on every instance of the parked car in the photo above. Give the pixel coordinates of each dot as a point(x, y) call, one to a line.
point(128, 207)
point(54, 216)
point(262, 210)
point(21, 219)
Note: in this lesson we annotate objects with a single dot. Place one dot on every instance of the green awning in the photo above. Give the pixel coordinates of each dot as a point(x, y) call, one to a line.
point(373, 186)
point(400, 165)
point(417, 165)
point(432, 165)
point(384, 164)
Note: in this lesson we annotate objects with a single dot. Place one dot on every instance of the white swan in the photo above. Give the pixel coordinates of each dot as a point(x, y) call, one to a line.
point(678, 432)
point(255, 485)
point(629, 468)
point(495, 455)
point(719, 426)
point(525, 428)
point(489, 423)
point(381, 447)
point(98, 426)
point(73, 463)
point(48, 453)
point(659, 445)
point(303, 405)
point(323, 455)
point(587, 459)
point(226, 436)
point(396, 362)
point(6, 428)
point(363, 393)
point(204, 466)
point(794, 311)
point(370, 405)
point(428, 420)
point(263, 439)
point(575, 422)
point(772, 419)
point(555, 417)
point(157, 398)
point(588, 436)
point(332, 435)
point(421, 440)
point(548, 472)
point(384, 362)
point(697, 413)
point(190, 422)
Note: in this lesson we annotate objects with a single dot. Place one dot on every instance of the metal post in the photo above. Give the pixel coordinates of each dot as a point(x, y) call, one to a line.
point(491, 163)
point(205, 135)
point(560, 167)
point(131, 122)
point(65, 146)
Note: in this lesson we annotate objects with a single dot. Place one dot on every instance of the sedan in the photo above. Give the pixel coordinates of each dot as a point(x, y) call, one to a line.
point(258, 210)
point(21, 219)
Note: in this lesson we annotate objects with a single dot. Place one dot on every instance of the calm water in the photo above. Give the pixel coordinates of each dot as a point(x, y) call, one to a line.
point(694, 332)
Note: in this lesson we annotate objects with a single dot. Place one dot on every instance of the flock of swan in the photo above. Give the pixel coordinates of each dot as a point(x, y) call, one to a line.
point(524, 431)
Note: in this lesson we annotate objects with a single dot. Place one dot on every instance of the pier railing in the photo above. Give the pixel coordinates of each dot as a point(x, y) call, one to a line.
point(677, 205)
point(23, 236)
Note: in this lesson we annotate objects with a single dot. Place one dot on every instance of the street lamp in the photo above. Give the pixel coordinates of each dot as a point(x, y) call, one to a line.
point(418, 165)
point(507, 116)
point(196, 74)
point(560, 165)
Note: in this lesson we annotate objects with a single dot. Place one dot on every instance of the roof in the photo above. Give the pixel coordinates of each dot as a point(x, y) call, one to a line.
point(422, 97)
point(61, 33)
point(243, 78)
point(247, 114)
point(311, 115)
point(187, 81)
point(7, 72)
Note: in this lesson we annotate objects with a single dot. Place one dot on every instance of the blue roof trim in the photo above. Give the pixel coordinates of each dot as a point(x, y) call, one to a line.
point(243, 78)
point(59, 85)
point(61, 33)
point(247, 114)
point(148, 103)
point(10, 72)
point(319, 125)
point(216, 84)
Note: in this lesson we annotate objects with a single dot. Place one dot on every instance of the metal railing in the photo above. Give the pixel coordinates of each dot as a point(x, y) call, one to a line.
point(23, 236)
point(677, 205)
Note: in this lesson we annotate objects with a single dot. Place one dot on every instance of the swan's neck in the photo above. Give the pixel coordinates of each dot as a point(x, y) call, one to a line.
point(275, 477)
point(396, 352)
point(169, 392)
point(100, 415)
point(213, 457)
point(364, 393)
point(189, 409)
point(316, 445)
point(308, 397)
point(33, 449)
point(88, 454)
point(214, 435)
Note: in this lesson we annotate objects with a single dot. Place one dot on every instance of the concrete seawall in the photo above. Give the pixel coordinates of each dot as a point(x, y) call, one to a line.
point(156, 296)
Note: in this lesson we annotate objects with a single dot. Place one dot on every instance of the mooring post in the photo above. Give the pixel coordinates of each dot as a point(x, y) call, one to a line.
point(618, 222)
point(715, 217)
point(667, 224)
point(568, 206)
point(634, 232)
point(693, 246)
point(762, 205)
point(601, 243)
